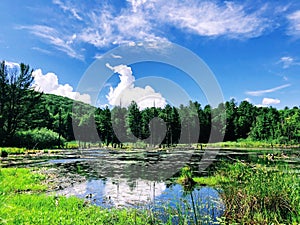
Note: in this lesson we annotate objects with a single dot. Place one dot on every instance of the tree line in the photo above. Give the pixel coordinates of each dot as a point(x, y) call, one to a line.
point(27, 116)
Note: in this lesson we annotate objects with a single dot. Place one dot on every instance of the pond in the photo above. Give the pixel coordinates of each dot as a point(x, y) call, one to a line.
point(145, 179)
point(140, 179)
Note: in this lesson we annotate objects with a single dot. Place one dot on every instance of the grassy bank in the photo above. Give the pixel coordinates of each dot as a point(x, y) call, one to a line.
point(261, 194)
point(248, 143)
point(4, 151)
point(255, 193)
point(23, 201)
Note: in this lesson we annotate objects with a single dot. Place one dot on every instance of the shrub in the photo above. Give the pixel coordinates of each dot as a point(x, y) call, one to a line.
point(39, 139)
point(3, 153)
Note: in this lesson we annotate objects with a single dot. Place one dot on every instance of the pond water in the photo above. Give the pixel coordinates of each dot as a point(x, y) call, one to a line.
point(139, 179)
point(145, 179)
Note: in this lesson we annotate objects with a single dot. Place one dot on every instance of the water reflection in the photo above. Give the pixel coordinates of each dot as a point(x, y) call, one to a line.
point(113, 192)
point(157, 196)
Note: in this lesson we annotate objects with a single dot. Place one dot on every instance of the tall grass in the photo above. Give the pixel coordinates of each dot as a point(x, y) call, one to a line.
point(261, 195)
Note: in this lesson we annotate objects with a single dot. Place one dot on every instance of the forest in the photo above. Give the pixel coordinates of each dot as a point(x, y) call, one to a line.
point(35, 120)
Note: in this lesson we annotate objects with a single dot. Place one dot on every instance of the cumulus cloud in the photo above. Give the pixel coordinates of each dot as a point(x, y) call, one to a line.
point(270, 101)
point(126, 92)
point(48, 83)
point(261, 92)
point(294, 20)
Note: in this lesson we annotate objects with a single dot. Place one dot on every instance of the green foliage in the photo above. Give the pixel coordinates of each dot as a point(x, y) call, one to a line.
point(133, 122)
point(261, 195)
point(17, 99)
point(186, 172)
point(72, 145)
point(39, 139)
point(23, 109)
point(10, 150)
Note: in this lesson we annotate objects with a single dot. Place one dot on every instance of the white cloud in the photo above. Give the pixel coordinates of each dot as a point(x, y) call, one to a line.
point(12, 65)
point(104, 27)
point(48, 83)
point(261, 92)
point(68, 8)
point(270, 101)
point(60, 41)
point(294, 20)
point(42, 50)
point(136, 4)
point(126, 92)
point(98, 56)
point(211, 19)
point(287, 61)
point(248, 100)
point(116, 56)
point(103, 24)
point(143, 21)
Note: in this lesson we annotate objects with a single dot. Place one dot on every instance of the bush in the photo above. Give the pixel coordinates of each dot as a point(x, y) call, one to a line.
point(38, 139)
point(3, 153)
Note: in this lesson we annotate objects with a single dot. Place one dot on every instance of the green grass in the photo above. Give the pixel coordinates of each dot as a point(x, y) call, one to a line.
point(15, 180)
point(244, 143)
point(72, 145)
point(210, 181)
point(186, 172)
point(11, 150)
point(23, 201)
point(256, 194)
point(43, 209)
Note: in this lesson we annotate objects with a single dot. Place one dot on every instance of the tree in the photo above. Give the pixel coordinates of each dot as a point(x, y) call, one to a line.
point(231, 117)
point(246, 114)
point(205, 124)
point(190, 126)
point(104, 125)
point(218, 127)
point(17, 98)
point(264, 127)
point(118, 120)
point(134, 120)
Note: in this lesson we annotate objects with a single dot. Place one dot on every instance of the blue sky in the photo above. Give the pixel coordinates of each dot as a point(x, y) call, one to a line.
point(252, 47)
